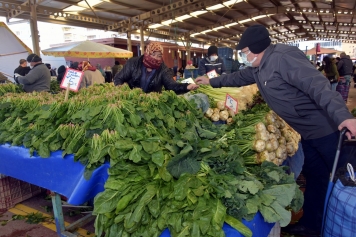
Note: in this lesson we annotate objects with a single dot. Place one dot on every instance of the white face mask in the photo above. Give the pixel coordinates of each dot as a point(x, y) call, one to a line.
point(213, 58)
point(245, 61)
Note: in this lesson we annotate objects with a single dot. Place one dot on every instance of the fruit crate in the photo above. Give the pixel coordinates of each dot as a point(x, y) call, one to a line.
point(13, 191)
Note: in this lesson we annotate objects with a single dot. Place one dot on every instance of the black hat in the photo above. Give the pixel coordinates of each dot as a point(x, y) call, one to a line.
point(212, 50)
point(256, 38)
point(33, 58)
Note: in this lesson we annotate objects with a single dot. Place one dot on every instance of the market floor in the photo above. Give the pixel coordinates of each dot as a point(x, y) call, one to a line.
point(47, 228)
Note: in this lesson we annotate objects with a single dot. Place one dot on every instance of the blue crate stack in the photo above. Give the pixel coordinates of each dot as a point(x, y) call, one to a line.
point(226, 54)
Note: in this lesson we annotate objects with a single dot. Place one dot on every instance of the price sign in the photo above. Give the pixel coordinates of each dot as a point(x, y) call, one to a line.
point(73, 77)
point(212, 74)
point(231, 103)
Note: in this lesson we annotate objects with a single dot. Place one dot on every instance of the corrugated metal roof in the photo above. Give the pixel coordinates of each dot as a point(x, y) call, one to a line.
point(207, 21)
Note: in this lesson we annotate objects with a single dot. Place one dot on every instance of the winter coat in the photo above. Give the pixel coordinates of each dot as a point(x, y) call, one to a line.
point(294, 89)
point(38, 79)
point(132, 71)
point(205, 65)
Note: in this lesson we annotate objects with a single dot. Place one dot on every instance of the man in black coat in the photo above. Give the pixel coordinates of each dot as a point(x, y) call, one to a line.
point(149, 73)
point(22, 69)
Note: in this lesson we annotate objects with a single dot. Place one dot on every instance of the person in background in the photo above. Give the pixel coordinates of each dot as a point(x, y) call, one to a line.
point(74, 65)
point(149, 73)
point(302, 97)
point(108, 74)
point(337, 60)
point(317, 65)
point(52, 71)
point(22, 69)
point(189, 65)
point(90, 76)
point(116, 68)
point(345, 68)
point(38, 79)
point(98, 67)
point(212, 62)
point(61, 71)
point(330, 72)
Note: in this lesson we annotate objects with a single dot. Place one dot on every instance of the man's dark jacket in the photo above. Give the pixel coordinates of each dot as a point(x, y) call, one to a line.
point(22, 70)
point(131, 74)
point(294, 89)
point(345, 67)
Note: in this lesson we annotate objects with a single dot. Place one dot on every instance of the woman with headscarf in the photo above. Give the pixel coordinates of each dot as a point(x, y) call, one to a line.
point(149, 73)
point(61, 71)
point(91, 75)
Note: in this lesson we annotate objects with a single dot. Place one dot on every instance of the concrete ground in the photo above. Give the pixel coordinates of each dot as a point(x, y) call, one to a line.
point(40, 203)
point(19, 228)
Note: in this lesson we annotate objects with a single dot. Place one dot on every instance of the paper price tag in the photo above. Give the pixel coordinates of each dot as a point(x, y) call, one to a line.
point(188, 80)
point(231, 103)
point(212, 74)
point(73, 77)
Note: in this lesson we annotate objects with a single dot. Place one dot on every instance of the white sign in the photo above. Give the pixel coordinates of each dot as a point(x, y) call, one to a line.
point(231, 103)
point(212, 74)
point(74, 78)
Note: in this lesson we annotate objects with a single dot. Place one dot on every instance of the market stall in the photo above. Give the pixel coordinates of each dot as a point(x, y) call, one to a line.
point(170, 166)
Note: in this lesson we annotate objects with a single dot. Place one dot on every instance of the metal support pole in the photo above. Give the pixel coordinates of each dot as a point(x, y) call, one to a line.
point(34, 28)
point(187, 47)
point(129, 44)
point(142, 45)
point(236, 57)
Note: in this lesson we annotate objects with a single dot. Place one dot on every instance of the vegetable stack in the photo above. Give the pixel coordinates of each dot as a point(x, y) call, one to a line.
point(170, 166)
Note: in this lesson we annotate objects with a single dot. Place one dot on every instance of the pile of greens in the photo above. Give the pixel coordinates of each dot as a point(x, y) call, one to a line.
point(170, 166)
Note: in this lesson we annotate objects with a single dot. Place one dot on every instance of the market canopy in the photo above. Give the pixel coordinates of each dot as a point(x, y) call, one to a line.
point(203, 21)
point(11, 51)
point(312, 51)
point(87, 49)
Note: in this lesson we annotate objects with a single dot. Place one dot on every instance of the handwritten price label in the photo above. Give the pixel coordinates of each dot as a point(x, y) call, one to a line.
point(231, 103)
point(73, 77)
point(212, 74)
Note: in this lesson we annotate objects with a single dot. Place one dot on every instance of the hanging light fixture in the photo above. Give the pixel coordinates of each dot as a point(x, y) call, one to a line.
point(169, 51)
point(178, 50)
point(186, 53)
point(195, 54)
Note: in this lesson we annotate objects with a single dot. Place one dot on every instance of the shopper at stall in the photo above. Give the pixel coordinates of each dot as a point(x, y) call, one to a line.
point(212, 62)
point(38, 79)
point(345, 68)
point(91, 75)
point(98, 67)
point(22, 69)
point(52, 71)
point(149, 73)
point(74, 65)
point(329, 69)
point(116, 68)
point(108, 74)
point(302, 96)
point(61, 71)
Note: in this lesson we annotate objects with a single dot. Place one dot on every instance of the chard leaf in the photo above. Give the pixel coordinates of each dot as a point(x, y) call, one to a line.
point(158, 158)
point(206, 133)
point(149, 147)
point(238, 225)
point(179, 165)
point(219, 212)
point(106, 201)
point(249, 186)
point(135, 155)
point(284, 193)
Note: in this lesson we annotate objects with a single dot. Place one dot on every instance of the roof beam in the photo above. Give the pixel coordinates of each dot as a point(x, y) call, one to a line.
point(95, 8)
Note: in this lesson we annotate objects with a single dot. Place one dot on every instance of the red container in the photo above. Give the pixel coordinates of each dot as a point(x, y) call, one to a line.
point(13, 191)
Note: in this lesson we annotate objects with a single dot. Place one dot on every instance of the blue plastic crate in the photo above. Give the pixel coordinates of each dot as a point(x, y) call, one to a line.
point(225, 52)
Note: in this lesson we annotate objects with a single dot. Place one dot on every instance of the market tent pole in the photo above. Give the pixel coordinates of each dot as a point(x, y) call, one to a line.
point(34, 28)
point(142, 46)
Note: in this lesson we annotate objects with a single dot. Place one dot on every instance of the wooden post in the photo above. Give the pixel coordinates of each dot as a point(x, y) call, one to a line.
point(67, 92)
